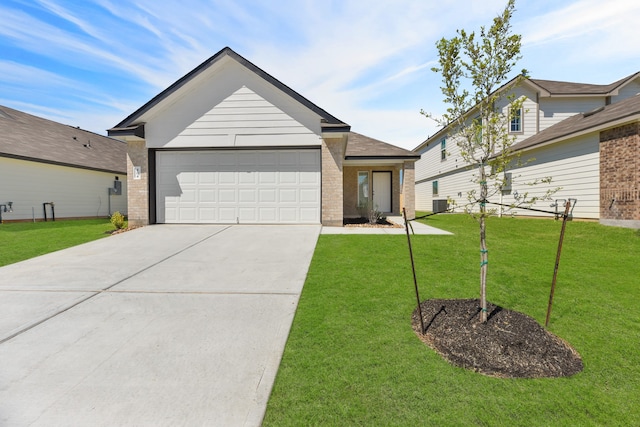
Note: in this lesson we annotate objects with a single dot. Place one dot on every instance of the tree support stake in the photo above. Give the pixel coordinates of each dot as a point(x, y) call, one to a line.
point(413, 268)
point(555, 270)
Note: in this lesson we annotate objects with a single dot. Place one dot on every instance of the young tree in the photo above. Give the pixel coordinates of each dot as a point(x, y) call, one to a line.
point(473, 69)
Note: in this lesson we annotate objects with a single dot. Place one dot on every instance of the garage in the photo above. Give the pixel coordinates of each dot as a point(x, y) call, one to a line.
point(278, 186)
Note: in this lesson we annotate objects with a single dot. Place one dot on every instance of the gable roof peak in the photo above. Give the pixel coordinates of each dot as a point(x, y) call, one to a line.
point(334, 124)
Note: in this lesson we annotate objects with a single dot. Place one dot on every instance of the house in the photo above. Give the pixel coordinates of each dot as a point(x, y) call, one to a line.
point(47, 168)
point(584, 136)
point(228, 143)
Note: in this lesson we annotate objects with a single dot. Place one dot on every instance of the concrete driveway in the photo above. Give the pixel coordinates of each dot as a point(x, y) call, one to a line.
point(160, 326)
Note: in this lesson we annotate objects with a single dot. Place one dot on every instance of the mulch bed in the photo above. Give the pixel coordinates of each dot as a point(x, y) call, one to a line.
point(509, 345)
point(121, 230)
point(363, 222)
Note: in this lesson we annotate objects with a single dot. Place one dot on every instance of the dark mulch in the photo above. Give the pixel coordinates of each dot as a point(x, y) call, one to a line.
point(508, 345)
point(364, 222)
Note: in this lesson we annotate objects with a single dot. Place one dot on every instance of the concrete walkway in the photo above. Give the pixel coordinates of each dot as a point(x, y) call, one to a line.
point(418, 228)
point(160, 326)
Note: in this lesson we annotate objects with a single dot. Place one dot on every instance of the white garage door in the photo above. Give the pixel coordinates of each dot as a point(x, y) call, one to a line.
point(238, 186)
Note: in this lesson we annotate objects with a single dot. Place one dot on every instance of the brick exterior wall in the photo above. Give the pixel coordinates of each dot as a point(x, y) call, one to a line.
point(332, 157)
point(619, 173)
point(350, 189)
point(138, 189)
point(409, 189)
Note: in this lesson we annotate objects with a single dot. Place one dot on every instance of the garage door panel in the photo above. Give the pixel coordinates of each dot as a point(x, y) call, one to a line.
point(311, 178)
point(247, 195)
point(308, 195)
point(309, 215)
point(207, 195)
point(288, 178)
point(267, 195)
point(253, 186)
point(228, 195)
point(248, 178)
point(287, 195)
point(228, 177)
point(207, 178)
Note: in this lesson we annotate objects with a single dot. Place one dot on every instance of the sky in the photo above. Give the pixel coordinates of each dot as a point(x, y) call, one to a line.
point(91, 63)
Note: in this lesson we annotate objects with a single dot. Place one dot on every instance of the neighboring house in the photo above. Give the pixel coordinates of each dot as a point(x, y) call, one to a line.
point(586, 137)
point(228, 143)
point(70, 169)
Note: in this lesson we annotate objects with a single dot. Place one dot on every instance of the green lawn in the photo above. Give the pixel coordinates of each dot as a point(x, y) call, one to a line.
point(353, 359)
point(24, 240)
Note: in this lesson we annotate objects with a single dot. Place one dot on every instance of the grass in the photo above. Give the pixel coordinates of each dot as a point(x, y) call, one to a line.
point(352, 358)
point(24, 240)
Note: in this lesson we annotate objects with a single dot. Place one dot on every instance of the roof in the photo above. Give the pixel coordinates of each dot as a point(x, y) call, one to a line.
point(626, 110)
point(329, 123)
point(27, 137)
point(551, 88)
point(360, 147)
point(570, 88)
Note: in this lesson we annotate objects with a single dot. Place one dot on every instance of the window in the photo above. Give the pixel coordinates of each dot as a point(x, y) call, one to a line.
point(515, 123)
point(443, 149)
point(435, 187)
point(363, 189)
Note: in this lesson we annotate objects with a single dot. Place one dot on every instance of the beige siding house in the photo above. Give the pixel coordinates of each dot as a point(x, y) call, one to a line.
point(586, 137)
point(228, 143)
point(47, 168)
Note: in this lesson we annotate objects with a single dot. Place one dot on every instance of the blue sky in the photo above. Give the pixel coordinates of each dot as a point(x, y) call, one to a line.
point(91, 63)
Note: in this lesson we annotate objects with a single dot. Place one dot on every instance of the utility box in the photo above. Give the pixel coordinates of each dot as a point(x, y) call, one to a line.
point(117, 188)
point(440, 205)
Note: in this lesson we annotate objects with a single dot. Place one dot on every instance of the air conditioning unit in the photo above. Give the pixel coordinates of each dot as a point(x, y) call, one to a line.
point(440, 205)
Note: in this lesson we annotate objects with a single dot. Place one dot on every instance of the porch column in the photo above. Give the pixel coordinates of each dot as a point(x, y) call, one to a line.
point(138, 188)
point(333, 151)
point(409, 189)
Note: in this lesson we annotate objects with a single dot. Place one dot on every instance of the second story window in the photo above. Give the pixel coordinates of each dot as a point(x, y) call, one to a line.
point(443, 149)
point(515, 122)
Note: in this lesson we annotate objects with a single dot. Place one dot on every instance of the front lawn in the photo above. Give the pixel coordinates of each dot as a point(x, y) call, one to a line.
point(353, 359)
point(24, 240)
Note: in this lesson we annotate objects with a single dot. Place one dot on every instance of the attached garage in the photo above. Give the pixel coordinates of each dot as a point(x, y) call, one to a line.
point(229, 144)
point(279, 186)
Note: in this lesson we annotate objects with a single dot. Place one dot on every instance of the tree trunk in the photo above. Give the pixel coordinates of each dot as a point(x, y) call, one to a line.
point(484, 255)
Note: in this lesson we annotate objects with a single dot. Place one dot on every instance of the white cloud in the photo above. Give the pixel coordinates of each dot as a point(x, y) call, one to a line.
point(365, 62)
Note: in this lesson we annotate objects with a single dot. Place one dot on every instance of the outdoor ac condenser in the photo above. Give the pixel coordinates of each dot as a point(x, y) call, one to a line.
point(440, 205)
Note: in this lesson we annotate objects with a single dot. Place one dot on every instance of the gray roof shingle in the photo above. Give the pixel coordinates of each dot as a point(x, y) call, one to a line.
point(363, 147)
point(584, 121)
point(27, 137)
point(570, 88)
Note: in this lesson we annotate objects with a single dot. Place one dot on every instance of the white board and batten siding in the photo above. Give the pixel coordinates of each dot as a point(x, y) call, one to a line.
point(249, 154)
point(235, 109)
point(75, 192)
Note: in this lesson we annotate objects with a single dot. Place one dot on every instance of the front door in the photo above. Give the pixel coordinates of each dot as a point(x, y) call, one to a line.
point(382, 191)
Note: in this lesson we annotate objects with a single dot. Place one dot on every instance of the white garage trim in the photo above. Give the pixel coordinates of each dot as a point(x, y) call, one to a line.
point(238, 186)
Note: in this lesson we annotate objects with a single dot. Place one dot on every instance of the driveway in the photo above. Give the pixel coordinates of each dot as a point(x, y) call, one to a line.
point(162, 325)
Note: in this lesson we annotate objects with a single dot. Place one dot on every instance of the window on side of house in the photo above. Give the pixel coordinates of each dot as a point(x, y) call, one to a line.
point(515, 122)
point(443, 149)
point(434, 186)
point(363, 189)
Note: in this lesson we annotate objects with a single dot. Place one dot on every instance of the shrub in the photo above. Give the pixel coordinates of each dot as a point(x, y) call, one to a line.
point(117, 219)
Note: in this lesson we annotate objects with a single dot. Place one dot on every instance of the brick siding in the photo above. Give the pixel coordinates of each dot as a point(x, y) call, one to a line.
point(332, 157)
point(138, 189)
point(619, 173)
point(409, 189)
